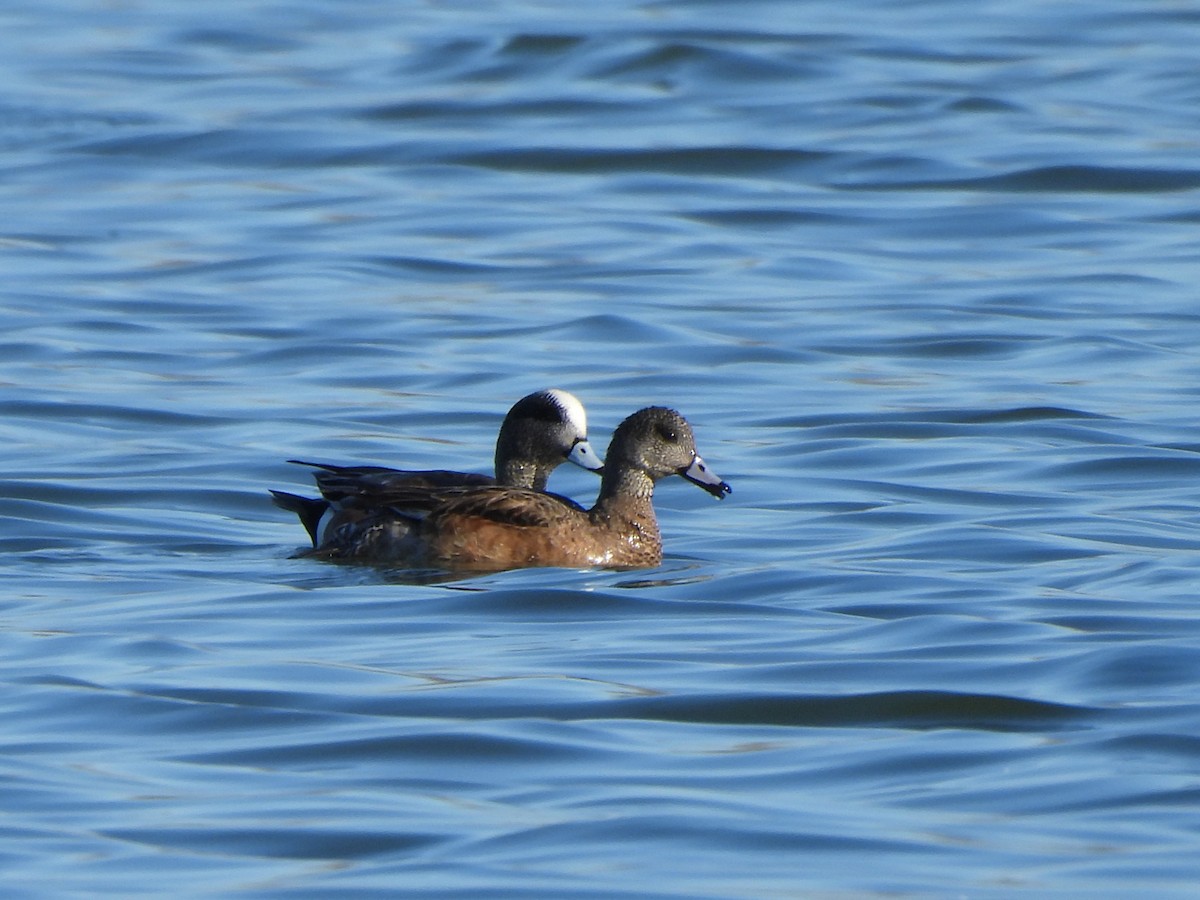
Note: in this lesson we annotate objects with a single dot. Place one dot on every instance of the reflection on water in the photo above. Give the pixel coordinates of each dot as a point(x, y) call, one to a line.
point(923, 283)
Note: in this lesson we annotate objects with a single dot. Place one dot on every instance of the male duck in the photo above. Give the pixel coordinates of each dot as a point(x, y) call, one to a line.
point(493, 528)
point(541, 431)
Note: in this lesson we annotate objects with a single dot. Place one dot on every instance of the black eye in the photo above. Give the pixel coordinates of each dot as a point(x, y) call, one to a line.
point(668, 434)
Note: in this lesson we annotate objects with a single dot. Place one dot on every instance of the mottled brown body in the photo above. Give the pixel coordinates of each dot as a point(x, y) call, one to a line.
point(504, 529)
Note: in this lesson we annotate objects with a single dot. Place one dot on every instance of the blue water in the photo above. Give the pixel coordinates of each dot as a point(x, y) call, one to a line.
point(923, 278)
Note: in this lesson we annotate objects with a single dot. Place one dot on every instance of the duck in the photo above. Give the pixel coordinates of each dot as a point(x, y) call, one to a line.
point(498, 527)
point(541, 431)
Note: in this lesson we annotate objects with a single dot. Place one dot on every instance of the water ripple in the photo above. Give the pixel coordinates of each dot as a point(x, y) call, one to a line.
point(924, 284)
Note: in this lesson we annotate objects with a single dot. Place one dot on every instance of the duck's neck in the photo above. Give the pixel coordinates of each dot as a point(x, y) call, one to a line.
point(626, 493)
point(625, 506)
point(528, 475)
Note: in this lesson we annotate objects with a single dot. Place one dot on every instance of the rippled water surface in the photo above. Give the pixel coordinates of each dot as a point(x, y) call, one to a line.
point(924, 281)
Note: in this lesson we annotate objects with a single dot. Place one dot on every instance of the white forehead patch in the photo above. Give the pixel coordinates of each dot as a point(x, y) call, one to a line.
point(572, 409)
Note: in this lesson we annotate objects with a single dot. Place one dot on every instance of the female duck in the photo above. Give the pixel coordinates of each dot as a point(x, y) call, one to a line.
point(502, 527)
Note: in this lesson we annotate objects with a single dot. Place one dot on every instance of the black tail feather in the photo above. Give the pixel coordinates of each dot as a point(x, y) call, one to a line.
point(308, 509)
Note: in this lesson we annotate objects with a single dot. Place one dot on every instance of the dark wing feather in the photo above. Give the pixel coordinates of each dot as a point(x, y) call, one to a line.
point(401, 488)
point(508, 506)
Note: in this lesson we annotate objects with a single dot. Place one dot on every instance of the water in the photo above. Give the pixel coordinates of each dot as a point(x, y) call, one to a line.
point(924, 283)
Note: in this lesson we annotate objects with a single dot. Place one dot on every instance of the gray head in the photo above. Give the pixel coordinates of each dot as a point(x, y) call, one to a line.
point(654, 443)
point(541, 432)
